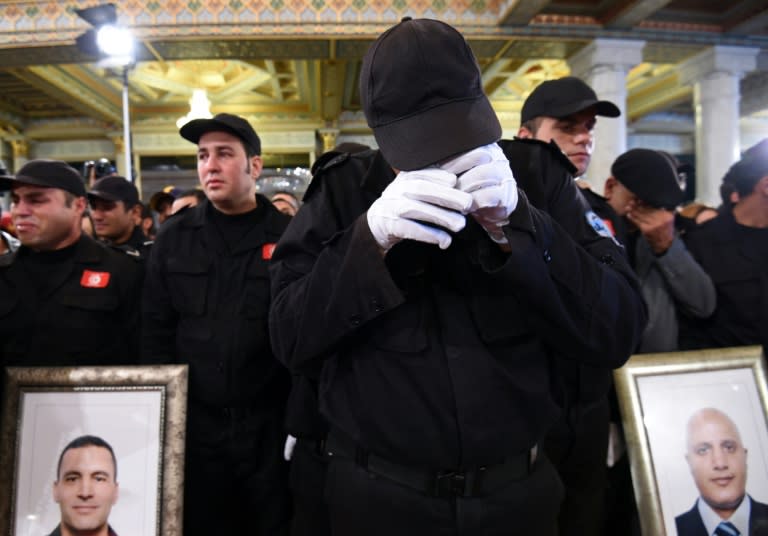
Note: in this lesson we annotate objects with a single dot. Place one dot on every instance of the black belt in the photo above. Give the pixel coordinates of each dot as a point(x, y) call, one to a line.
point(447, 483)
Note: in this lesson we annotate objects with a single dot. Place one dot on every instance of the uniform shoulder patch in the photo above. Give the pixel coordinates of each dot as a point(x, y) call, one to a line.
point(600, 226)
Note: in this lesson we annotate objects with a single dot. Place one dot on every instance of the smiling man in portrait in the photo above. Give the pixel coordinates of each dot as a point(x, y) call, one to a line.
point(86, 487)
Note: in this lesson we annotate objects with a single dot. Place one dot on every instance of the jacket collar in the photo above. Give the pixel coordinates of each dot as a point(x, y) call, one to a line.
point(378, 175)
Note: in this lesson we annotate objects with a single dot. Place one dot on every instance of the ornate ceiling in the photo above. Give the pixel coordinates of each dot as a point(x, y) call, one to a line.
point(285, 62)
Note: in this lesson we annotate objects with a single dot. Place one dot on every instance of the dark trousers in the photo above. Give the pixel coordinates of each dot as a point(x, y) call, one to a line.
point(307, 476)
point(578, 448)
point(236, 481)
point(361, 503)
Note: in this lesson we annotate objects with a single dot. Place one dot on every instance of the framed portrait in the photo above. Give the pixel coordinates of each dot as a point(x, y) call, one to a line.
point(139, 411)
point(667, 400)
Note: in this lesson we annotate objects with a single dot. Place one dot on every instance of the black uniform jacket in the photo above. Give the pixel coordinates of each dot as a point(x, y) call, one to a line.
point(137, 245)
point(89, 314)
point(442, 358)
point(736, 258)
point(207, 306)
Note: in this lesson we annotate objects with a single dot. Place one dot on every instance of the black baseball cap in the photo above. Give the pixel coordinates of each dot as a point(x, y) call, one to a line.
point(115, 188)
point(563, 97)
point(234, 124)
point(422, 95)
point(48, 174)
point(651, 176)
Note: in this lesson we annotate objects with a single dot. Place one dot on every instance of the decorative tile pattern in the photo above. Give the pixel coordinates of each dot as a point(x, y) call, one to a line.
point(45, 22)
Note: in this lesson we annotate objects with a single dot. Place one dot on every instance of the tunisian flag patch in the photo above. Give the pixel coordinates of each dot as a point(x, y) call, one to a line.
point(267, 250)
point(94, 279)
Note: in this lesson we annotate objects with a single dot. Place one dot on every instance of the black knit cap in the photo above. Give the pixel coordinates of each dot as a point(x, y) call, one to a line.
point(422, 95)
point(651, 176)
point(563, 97)
point(234, 124)
point(48, 174)
point(115, 188)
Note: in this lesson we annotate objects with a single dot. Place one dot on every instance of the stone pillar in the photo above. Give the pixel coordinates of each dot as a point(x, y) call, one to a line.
point(20, 148)
point(604, 64)
point(715, 75)
point(329, 137)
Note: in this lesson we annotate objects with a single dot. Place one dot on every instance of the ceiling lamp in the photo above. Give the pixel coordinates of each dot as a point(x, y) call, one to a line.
point(199, 108)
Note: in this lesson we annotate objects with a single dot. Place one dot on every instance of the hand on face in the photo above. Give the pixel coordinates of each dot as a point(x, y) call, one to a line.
point(657, 225)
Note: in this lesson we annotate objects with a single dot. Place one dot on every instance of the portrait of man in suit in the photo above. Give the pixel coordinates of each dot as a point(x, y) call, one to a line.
point(718, 463)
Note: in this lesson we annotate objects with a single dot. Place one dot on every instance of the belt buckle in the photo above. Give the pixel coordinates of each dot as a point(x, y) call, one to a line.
point(450, 483)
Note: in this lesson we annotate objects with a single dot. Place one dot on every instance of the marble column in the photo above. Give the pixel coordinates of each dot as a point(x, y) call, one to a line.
point(715, 75)
point(604, 64)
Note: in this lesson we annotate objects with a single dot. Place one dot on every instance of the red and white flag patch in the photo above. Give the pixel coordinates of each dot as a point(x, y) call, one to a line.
point(267, 250)
point(94, 279)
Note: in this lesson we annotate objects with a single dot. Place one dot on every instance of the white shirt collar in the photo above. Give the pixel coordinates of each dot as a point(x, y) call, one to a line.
point(739, 519)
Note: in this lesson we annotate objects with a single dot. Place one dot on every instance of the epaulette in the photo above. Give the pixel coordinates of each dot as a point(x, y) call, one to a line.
point(553, 149)
point(329, 159)
point(324, 163)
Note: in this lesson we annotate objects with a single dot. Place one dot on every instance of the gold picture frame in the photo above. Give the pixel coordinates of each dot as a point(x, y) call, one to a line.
point(658, 393)
point(139, 410)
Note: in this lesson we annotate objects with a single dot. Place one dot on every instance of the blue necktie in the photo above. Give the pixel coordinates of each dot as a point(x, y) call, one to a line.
point(726, 528)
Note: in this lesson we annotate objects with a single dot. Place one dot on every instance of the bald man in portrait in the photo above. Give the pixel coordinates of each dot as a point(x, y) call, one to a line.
point(718, 462)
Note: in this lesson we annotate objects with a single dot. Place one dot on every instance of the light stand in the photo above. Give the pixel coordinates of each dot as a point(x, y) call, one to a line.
point(127, 127)
point(114, 45)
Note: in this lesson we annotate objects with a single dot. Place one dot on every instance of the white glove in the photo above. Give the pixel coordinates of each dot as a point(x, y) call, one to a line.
point(489, 179)
point(290, 443)
point(425, 195)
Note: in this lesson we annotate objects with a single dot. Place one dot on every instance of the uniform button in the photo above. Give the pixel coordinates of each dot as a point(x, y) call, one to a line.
point(547, 256)
point(355, 320)
point(220, 366)
point(377, 307)
point(608, 259)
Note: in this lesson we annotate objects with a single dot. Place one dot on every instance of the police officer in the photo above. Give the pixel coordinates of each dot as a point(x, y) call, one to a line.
point(564, 112)
point(66, 299)
point(115, 211)
point(428, 296)
point(207, 298)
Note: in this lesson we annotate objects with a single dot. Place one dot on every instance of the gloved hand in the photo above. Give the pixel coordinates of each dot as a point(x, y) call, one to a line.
point(412, 201)
point(290, 443)
point(485, 174)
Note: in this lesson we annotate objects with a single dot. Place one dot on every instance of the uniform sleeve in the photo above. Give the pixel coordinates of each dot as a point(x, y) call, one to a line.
point(158, 318)
point(328, 280)
point(585, 303)
point(132, 312)
point(687, 282)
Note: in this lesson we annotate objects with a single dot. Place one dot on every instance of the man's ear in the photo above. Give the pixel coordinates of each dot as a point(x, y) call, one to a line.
point(117, 493)
point(524, 133)
point(80, 204)
point(55, 489)
point(257, 164)
point(608, 187)
point(762, 186)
